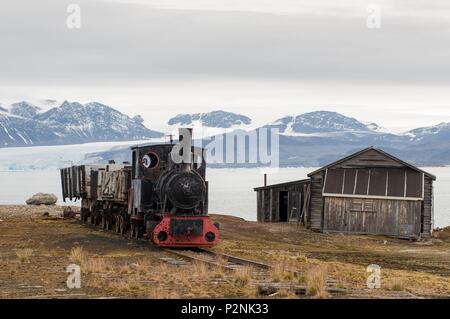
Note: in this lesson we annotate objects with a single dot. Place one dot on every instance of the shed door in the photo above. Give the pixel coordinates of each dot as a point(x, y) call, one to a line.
point(283, 205)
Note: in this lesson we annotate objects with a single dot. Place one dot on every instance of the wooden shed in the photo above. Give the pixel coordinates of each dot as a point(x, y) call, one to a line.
point(368, 192)
point(283, 202)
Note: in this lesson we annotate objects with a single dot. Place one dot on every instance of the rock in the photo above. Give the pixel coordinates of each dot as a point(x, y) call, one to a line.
point(42, 199)
point(46, 214)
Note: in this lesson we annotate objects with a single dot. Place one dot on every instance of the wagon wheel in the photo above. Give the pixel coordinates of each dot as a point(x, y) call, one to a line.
point(83, 216)
point(117, 228)
point(123, 225)
point(92, 218)
point(103, 222)
point(98, 219)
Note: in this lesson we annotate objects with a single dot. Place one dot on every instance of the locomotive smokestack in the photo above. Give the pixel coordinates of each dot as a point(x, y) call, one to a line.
point(185, 140)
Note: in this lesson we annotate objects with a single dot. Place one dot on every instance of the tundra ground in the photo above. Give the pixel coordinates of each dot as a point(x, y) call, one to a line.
point(35, 251)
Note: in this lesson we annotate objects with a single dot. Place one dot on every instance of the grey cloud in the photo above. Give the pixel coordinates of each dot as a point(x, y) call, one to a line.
point(125, 44)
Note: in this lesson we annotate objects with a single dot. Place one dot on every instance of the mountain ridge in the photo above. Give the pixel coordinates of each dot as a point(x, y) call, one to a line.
point(25, 124)
point(308, 139)
point(217, 119)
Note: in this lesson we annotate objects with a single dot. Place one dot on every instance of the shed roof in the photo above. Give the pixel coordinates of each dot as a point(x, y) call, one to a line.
point(392, 157)
point(300, 181)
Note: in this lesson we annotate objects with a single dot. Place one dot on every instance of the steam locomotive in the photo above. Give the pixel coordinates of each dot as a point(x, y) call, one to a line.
point(162, 195)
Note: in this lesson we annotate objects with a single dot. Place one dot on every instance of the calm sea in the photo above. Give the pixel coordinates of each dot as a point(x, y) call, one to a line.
point(230, 190)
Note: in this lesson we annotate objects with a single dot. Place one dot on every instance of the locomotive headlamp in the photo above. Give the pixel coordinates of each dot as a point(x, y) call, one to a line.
point(210, 236)
point(162, 236)
point(150, 160)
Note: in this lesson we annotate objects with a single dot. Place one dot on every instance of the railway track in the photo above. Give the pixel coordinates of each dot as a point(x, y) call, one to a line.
point(261, 273)
point(218, 259)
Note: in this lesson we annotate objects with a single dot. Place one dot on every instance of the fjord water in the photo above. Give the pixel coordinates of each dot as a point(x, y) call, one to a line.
point(230, 190)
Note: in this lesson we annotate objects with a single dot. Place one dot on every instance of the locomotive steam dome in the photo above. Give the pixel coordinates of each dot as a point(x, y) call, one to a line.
point(185, 189)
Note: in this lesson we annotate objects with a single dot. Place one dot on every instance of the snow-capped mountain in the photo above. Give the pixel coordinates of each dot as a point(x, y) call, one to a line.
point(439, 131)
point(310, 139)
point(320, 122)
point(218, 119)
point(24, 109)
point(25, 124)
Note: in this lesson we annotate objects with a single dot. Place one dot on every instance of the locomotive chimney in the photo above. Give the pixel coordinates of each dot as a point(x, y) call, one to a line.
point(185, 138)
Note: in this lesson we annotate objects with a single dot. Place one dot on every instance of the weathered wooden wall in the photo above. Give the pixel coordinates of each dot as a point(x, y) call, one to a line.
point(316, 208)
point(400, 218)
point(428, 209)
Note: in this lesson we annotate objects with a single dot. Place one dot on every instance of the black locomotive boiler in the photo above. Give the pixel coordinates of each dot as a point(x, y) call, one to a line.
point(155, 197)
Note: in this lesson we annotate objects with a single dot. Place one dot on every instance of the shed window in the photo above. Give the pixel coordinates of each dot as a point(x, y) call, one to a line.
point(376, 182)
point(349, 181)
point(414, 184)
point(377, 185)
point(396, 185)
point(334, 180)
point(362, 181)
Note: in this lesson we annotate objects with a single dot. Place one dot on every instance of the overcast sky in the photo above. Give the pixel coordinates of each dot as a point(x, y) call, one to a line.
point(261, 58)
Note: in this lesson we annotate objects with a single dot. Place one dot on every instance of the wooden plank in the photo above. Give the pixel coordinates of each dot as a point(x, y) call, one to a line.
point(389, 217)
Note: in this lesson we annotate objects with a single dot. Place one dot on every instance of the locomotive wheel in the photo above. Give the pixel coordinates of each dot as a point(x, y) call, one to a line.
point(132, 230)
point(136, 231)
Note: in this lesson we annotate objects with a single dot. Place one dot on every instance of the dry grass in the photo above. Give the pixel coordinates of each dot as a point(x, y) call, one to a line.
point(78, 255)
point(315, 279)
point(218, 272)
point(125, 269)
point(282, 271)
point(97, 265)
point(286, 294)
point(200, 269)
point(160, 293)
point(12, 268)
point(24, 254)
point(144, 267)
point(243, 275)
point(397, 285)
